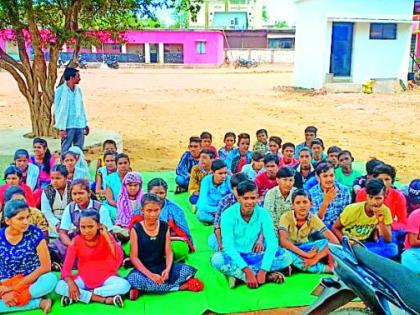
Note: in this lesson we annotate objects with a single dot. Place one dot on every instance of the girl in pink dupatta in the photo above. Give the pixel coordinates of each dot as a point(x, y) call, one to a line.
point(129, 199)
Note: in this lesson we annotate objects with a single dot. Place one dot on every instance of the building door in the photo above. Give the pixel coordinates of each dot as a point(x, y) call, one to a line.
point(341, 49)
point(154, 53)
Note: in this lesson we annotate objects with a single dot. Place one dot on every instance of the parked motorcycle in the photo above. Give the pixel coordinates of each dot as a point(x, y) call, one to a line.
point(112, 62)
point(82, 63)
point(245, 63)
point(385, 287)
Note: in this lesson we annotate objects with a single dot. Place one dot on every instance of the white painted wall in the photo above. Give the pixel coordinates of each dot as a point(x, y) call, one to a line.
point(263, 55)
point(371, 58)
point(380, 58)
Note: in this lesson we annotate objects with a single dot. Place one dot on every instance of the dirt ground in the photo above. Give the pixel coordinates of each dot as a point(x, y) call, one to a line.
point(157, 110)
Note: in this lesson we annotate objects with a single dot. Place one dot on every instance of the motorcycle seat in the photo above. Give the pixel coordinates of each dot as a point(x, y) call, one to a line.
point(400, 278)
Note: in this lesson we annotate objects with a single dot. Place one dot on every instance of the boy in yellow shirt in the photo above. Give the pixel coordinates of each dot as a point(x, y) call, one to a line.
point(296, 226)
point(369, 221)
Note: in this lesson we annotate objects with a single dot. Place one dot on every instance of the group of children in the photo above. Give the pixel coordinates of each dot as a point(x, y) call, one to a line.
point(274, 210)
point(280, 205)
point(55, 218)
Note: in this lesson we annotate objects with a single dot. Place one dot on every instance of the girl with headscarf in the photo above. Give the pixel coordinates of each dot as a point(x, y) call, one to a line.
point(129, 200)
point(75, 162)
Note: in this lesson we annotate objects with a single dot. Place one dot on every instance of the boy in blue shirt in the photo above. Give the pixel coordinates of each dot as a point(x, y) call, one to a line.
point(213, 188)
point(241, 226)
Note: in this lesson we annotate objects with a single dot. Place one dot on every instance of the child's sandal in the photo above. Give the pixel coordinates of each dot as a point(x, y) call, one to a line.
point(195, 285)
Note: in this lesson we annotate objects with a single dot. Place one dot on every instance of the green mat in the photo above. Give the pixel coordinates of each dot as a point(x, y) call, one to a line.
point(216, 297)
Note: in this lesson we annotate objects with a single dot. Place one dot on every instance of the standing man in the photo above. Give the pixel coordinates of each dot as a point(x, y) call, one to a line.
point(70, 114)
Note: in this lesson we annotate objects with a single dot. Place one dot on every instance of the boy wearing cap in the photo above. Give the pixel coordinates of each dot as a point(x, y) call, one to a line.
point(411, 256)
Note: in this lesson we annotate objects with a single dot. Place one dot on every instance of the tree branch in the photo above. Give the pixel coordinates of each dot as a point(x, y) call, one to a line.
point(21, 83)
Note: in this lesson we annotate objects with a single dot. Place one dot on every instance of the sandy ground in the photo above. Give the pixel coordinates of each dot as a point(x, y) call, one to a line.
point(157, 110)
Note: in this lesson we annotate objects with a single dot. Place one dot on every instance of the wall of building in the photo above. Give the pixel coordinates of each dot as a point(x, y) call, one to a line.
point(214, 43)
point(262, 55)
point(313, 37)
point(380, 58)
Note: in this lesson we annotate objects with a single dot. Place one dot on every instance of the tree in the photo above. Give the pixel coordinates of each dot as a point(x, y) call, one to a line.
point(264, 14)
point(280, 24)
point(48, 25)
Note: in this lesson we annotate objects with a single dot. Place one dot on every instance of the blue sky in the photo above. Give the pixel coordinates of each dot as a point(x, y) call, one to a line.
point(278, 10)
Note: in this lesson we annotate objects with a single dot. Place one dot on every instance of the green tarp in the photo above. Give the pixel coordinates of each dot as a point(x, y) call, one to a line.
point(216, 297)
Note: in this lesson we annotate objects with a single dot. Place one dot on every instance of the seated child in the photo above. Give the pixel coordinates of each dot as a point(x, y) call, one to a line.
point(332, 155)
point(206, 140)
point(128, 204)
point(304, 171)
point(262, 141)
point(98, 258)
point(310, 134)
point(114, 184)
point(36, 216)
point(256, 166)
point(30, 173)
point(241, 227)
point(108, 146)
point(25, 263)
point(360, 182)
point(173, 215)
point(213, 188)
point(76, 165)
point(413, 196)
point(345, 174)
point(198, 172)
point(13, 178)
point(229, 140)
point(317, 147)
point(188, 160)
point(215, 239)
point(288, 152)
point(238, 158)
point(152, 257)
point(103, 172)
point(411, 255)
point(274, 145)
point(394, 200)
point(278, 200)
point(80, 194)
point(55, 197)
point(296, 226)
point(329, 197)
point(42, 159)
point(267, 179)
point(369, 221)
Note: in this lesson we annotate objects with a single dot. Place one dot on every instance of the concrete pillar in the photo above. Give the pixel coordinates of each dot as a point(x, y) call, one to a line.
point(124, 48)
point(147, 52)
point(94, 49)
point(161, 53)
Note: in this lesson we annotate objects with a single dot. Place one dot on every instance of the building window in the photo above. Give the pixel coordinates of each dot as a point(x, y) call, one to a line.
point(383, 31)
point(201, 47)
point(283, 43)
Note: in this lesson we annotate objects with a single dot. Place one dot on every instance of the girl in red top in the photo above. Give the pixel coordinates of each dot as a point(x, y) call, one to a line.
point(99, 258)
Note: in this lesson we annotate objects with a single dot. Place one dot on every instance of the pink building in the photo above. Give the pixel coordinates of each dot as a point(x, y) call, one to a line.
point(149, 46)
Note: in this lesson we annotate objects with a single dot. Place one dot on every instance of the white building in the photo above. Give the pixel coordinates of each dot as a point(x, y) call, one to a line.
point(351, 41)
point(229, 14)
